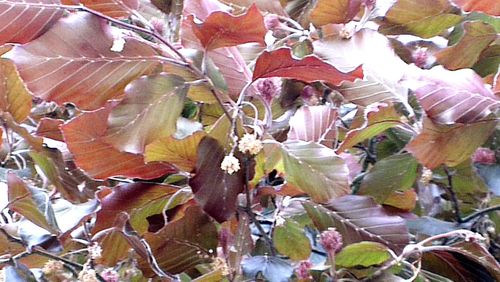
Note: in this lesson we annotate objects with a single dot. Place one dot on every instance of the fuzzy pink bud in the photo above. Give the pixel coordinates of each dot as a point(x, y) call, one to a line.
point(303, 269)
point(484, 156)
point(331, 240)
point(269, 88)
point(110, 275)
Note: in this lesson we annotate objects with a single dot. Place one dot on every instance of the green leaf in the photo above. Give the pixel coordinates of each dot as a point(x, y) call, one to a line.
point(290, 240)
point(424, 18)
point(315, 169)
point(14, 97)
point(397, 172)
point(362, 254)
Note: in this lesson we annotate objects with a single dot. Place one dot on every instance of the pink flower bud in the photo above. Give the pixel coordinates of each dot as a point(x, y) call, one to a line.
point(484, 156)
point(420, 57)
point(331, 240)
point(271, 22)
point(110, 275)
point(269, 88)
point(303, 269)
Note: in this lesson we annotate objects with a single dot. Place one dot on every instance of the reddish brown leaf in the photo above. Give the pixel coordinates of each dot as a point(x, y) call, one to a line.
point(24, 20)
point(491, 7)
point(50, 128)
point(84, 137)
point(477, 37)
point(316, 124)
point(334, 11)
point(14, 97)
point(65, 66)
point(450, 145)
point(280, 63)
point(149, 110)
point(214, 189)
point(221, 29)
point(112, 8)
point(453, 96)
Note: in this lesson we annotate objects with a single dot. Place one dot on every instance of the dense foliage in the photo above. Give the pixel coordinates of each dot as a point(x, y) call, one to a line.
point(235, 140)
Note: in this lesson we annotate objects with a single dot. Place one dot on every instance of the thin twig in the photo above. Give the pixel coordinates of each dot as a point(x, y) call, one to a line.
point(480, 213)
point(453, 195)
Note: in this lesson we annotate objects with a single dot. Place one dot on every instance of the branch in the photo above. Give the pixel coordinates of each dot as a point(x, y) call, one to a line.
point(453, 195)
point(480, 213)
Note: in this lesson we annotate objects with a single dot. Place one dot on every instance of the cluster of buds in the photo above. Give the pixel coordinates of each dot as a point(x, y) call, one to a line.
point(87, 275)
point(484, 156)
point(221, 265)
point(331, 240)
point(110, 275)
point(426, 176)
point(52, 267)
point(247, 144)
point(95, 251)
point(303, 270)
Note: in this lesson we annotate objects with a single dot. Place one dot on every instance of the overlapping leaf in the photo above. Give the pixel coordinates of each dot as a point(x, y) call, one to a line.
point(362, 254)
point(148, 111)
point(270, 6)
point(84, 137)
point(180, 152)
point(50, 128)
point(448, 144)
point(424, 18)
point(64, 66)
point(359, 218)
point(281, 63)
point(378, 118)
point(214, 189)
point(225, 30)
point(334, 11)
point(315, 124)
point(112, 8)
point(382, 68)
point(454, 96)
point(315, 169)
point(491, 7)
point(466, 52)
point(290, 240)
point(24, 20)
point(14, 97)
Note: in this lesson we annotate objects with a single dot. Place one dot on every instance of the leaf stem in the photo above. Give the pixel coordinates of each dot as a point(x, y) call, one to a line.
point(453, 195)
point(480, 213)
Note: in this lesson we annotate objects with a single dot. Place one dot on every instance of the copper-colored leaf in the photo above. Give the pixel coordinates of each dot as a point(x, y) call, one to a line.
point(454, 96)
point(24, 20)
point(466, 52)
point(270, 6)
point(214, 189)
point(449, 144)
point(316, 124)
point(21, 201)
point(180, 152)
point(334, 11)
point(66, 66)
point(491, 7)
point(84, 137)
point(112, 8)
point(148, 111)
point(359, 218)
point(424, 18)
point(378, 118)
point(221, 29)
point(280, 63)
point(14, 97)
point(50, 128)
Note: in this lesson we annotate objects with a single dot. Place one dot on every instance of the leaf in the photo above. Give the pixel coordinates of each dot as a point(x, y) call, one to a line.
point(315, 169)
point(180, 152)
point(270, 6)
point(362, 254)
point(404, 201)
point(21, 201)
point(14, 97)
point(453, 96)
point(465, 53)
point(425, 18)
point(378, 118)
point(221, 29)
point(84, 137)
point(228, 59)
point(430, 226)
point(127, 198)
point(280, 63)
point(113, 8)
point(274, 269)
point(334, 11)
point(359, 218)
point(491, 7)
point(290, 240)
point(314, 123)
point(188, 241)
point(394, 173)
point(382, 68)
point(22, 21)
point(148, 111)
point(86, 73)
point(449, 145)
point(50, 128)
point(18, 273)
point(215, 190)
point(491, 175)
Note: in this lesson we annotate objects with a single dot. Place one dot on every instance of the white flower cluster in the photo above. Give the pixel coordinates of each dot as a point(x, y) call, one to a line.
point(230, 164)
point(426, 176)
point(87, 275)
point(52, 267)
point(249, 143)
point(95, 251)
